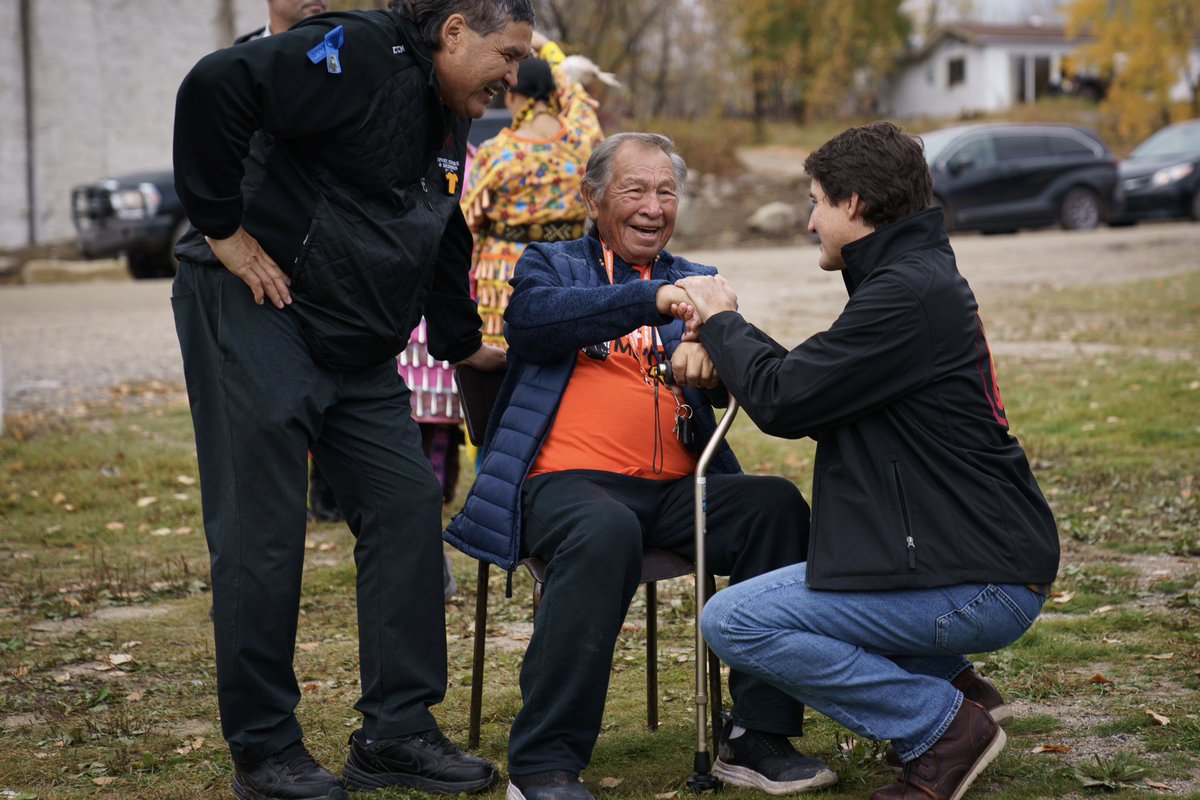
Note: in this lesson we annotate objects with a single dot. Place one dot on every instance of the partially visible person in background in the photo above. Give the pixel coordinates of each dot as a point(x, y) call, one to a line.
point(524, 183)
point(283, 14)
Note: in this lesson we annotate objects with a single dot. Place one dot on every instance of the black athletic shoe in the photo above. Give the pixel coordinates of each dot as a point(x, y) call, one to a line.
point(555, 785)
point(426, 761)
point(768, 762)
point(290, 774)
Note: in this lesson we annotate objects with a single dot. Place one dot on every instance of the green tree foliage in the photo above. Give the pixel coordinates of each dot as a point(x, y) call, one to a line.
point(1146, 46)
point(812, 59)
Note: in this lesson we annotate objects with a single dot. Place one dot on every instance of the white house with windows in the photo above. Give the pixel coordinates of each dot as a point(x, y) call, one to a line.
point(970, 67)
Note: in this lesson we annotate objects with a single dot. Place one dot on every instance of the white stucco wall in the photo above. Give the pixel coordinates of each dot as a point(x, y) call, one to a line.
point(988, 86)
point(104, 77)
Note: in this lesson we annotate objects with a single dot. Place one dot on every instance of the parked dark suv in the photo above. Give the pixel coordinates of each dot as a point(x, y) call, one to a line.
point(1004, 177)
point(139, 214)
point(136, 214)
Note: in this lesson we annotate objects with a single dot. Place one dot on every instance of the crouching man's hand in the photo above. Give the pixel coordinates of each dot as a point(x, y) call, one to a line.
point(708, 295)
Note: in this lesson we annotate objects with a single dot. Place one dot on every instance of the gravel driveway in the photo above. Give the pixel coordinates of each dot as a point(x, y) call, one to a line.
point(64, 344)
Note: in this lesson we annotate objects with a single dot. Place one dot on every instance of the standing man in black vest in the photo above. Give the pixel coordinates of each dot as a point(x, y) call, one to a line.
point(311, 262)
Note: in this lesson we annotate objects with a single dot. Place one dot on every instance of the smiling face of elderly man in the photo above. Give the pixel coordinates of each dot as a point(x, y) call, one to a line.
point(635, 212)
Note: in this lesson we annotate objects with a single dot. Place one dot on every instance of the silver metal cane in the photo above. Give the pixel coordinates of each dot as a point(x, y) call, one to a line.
point(702, 780)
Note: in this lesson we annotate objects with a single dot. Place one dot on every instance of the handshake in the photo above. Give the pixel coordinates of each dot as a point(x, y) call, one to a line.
point(694, 300)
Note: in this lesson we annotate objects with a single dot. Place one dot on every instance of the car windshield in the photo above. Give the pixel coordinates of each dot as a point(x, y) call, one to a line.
point(936, 142)
point(1177, 140)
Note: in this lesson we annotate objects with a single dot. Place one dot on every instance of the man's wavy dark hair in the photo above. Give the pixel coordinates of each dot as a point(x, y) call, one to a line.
point(485, 17)
point(882, 163)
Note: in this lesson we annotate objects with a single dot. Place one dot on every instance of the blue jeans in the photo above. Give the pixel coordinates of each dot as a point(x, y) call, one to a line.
point(879, 663)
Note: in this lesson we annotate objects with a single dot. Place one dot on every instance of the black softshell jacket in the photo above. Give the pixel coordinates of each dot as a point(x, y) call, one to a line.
point(350, 181)
point(918, 482)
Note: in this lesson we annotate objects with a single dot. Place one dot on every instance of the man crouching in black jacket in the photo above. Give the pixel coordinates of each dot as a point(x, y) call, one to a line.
point(930, 537)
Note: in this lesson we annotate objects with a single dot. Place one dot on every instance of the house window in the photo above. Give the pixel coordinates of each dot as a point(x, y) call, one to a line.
point(957, 71)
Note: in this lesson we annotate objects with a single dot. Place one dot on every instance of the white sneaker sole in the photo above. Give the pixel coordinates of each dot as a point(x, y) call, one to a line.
point(743, 776)
point(513, 792)
point(981, 763)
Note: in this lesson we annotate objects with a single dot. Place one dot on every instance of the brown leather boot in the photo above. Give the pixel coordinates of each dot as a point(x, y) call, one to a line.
point(976, 689)
point(946, 770)
point(980, 690)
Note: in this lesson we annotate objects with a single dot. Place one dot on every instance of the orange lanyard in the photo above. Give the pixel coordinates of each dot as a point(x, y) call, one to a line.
point(648, 334)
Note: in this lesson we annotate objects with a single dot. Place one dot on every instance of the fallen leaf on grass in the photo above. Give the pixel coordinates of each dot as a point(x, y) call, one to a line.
point(1062, 597)
point(1051, 748)
point(161, 532)
point(1159, 718)
point(308, 647)
point(1159, 656)
point(610, 783)
point(117, 659)
point(186, 480)
point(181, 496)
point(115, 526)
point(134, 697)
point(1103, 609)
point(1098, 678)
point(188, 747)
point(1157, 785)
point(129, 645)
point(61, 679)
point(142, 502)
point(1110, 640)
point(59, 497)
point(105, 781)
point(666, 795)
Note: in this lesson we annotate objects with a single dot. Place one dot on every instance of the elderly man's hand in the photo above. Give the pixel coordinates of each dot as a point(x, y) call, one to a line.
point(692, 368)
point(709, 295)
point(243, 256)
point(486, 359)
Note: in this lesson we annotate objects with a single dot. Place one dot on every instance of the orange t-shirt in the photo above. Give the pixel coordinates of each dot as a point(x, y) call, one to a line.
point(606, 420)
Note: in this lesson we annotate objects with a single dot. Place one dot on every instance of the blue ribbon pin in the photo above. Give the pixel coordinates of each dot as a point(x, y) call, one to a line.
point(327, 51)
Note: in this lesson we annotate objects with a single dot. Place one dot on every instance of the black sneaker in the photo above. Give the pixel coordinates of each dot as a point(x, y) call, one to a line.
point(768, 762)
point(426, 761)
point(556, 785)
point(290, 774)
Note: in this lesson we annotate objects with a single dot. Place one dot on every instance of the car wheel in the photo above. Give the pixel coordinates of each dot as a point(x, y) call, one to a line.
point(947, 216)
point(1080, 209)
point(142, 266)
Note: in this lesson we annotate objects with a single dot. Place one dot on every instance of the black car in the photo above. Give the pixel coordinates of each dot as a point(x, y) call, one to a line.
point(136, 214)
point(1003, 177)
point(139, 214)
point(1161, 177)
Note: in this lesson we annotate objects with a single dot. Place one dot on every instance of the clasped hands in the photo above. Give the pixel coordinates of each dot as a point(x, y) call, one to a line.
point(694, 300)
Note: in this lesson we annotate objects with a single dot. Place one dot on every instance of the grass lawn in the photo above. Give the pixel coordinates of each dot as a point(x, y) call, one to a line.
point(106, 681)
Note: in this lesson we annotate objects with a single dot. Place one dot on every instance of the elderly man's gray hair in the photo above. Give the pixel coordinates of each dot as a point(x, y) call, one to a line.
point(599, 167)
point(485, 17)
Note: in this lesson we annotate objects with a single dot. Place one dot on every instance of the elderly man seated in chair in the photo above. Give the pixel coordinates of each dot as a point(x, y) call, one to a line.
point(585, 466)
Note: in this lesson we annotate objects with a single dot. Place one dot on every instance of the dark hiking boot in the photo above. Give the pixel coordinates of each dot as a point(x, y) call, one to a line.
point(290, 774)
point(946, 770)
point(976, 689)
point(427, 762)
point(556, 785)
point(769, 763)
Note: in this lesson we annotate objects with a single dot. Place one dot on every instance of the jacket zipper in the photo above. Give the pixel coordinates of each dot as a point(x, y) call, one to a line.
point(908, 539)
point(425, 190)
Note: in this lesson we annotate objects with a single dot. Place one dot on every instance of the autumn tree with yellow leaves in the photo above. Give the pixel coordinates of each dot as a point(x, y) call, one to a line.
point(1146, 46)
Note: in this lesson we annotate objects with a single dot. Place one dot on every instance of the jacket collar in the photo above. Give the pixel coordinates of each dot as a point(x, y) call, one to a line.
point(863, 256)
